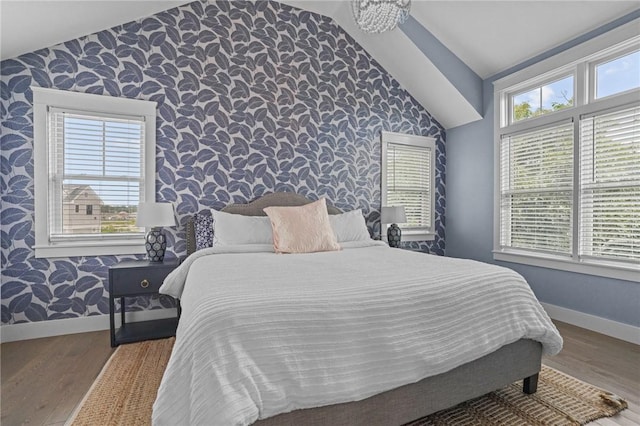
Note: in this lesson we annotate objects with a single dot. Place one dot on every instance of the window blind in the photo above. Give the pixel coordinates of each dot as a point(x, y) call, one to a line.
point(96, 174)
point(409, 183)
point(536, 189)
point(610, 185)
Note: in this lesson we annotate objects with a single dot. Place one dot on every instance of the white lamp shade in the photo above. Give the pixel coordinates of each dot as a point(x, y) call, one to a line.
point(393, 214)
point(151, 215)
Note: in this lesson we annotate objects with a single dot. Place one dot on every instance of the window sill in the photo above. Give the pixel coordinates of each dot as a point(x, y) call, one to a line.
point(601, 269)
point(417, 236)
point(90, 249)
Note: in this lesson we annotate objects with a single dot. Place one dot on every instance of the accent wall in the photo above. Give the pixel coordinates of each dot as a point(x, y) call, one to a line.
point(253, 97)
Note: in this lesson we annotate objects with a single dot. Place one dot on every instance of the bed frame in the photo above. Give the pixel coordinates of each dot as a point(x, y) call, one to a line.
point(520, 360)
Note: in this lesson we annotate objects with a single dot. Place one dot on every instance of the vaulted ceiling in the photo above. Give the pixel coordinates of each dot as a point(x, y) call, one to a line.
point(482, 38)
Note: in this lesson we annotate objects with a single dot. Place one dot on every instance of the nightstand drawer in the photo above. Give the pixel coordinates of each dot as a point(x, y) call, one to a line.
point(137, 281)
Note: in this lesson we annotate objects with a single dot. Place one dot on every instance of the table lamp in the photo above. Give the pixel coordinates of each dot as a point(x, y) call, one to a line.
point(155, 216)
point(393, 215)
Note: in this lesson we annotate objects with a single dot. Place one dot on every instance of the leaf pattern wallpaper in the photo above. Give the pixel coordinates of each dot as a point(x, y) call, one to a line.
point(253, 97)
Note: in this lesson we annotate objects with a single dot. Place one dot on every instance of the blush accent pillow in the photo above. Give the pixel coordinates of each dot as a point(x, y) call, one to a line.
point(349, 226)
point(303, 229)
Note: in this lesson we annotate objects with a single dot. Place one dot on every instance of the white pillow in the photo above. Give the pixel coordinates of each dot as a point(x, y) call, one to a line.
point(349, 226)
point(232, 229)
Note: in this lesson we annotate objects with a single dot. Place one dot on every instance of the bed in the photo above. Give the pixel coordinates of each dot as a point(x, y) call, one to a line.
point(249, 352)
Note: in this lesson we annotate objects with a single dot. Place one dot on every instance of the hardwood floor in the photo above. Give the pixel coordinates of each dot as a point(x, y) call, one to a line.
point(43, 380)
point(602, 361)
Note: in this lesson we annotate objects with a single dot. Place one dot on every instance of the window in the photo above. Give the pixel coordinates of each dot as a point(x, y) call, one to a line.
point(617, 75)
point(551, 97)
point(610, 194)
point(568, 181)
point(99, 160)
point(537, 189)
point(97, 152)
point(408, 179)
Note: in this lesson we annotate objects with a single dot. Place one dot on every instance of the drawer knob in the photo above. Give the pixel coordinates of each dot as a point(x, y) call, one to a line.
point(144, 283)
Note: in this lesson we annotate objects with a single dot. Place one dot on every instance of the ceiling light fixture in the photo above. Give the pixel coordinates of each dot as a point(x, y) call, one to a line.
point(378, 16)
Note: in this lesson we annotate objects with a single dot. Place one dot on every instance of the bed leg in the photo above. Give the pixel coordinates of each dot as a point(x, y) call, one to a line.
point(530, 384)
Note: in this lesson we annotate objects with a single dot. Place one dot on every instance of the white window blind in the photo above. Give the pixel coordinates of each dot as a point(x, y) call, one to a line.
point(610, 185)
point(409, 183)
point(96, 177)
point(536, 189)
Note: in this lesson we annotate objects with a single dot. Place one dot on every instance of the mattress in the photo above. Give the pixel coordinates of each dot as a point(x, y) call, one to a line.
point(263, 334)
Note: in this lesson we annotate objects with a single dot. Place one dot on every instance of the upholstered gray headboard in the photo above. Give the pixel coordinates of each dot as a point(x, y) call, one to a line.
point(254, 208)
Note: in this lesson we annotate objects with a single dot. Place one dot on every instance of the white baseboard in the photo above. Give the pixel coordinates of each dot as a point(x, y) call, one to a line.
point(36, 330)
point(619, 330)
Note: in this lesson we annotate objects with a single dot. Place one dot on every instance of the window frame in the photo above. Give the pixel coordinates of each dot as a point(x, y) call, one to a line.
point(409, 234)
point(582, 59)
point(43, 99)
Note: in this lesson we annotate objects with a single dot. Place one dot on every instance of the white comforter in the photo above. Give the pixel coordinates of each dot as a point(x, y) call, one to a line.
point(262, 334)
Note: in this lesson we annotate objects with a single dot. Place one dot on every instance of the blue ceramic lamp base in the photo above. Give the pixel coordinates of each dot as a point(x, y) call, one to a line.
point(394, 235)
point(156, 244)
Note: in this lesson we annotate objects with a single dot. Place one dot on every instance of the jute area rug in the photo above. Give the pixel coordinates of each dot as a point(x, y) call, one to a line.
point(124, 392)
